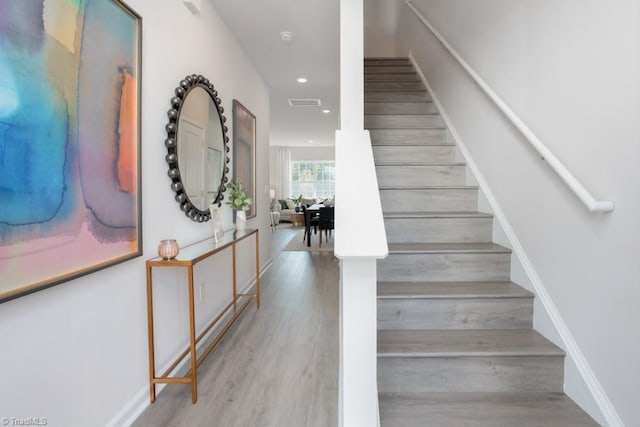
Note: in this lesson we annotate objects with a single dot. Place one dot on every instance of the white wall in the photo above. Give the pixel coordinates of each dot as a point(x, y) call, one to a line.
point(77, 353)
point(312, 153)
point(570, 70)
point(379, 28)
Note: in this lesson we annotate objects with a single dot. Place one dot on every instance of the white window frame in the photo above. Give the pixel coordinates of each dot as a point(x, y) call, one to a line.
point(317, 192)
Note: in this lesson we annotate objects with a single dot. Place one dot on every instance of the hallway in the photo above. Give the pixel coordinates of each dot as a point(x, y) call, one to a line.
point(278, 365)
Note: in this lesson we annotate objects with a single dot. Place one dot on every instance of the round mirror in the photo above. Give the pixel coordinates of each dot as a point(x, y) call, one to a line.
point(197, 147)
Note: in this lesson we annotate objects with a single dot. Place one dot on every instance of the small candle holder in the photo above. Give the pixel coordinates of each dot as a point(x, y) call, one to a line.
point(168, 249)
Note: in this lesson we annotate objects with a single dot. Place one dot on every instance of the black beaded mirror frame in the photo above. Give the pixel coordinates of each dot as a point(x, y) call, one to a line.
point(181, 92)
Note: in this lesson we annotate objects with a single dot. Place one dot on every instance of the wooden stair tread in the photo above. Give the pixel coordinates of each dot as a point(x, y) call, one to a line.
point(424, 126)
point(439, 248)
point(386, 58)
point(410, 144)
point(418, 164)
point(399, 67)
point(469, 214)
point(417, 101)
point(396, 90)
point(437, 127)
point(385, 69)
point(389, 77)
point(465, 409)
point(434, 290)
point(404, 121)
point(387, 62)
point(464, 343)
point(430, 187)
point(403, 114)
point(410, 132)
point(399, 104)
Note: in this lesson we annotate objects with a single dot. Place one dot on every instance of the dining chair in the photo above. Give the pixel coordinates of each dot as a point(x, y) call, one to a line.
point(313, 223)
point(326, 222)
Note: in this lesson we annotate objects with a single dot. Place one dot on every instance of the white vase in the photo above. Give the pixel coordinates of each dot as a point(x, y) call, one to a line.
point(241, 220)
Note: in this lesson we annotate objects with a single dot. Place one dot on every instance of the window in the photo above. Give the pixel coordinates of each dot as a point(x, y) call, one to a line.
point(313, 179)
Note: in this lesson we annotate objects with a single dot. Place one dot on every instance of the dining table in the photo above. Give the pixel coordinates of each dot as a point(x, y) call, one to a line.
point(310, 212)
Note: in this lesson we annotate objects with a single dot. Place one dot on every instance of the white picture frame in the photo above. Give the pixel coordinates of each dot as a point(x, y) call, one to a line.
point(216, 222)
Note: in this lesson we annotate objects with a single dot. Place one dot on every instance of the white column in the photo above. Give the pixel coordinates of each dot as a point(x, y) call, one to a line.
point(351, 65)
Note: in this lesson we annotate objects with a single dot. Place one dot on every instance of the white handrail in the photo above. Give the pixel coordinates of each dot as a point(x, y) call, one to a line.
point(583, 194)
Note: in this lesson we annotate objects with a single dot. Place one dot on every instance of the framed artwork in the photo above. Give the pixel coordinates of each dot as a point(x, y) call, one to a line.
point(70, 196)
point(244, 151)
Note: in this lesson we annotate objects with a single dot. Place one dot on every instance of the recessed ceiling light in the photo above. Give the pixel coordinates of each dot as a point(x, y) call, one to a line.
point(326, 111)
point(310, 141)
point(301, 80)
point(286, 36)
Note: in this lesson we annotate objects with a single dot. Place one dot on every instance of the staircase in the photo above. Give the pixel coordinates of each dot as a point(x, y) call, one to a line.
point(455, 340)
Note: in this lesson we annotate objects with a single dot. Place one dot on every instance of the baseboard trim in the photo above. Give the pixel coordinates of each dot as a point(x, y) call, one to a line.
point(130, 412)
point(570, 345)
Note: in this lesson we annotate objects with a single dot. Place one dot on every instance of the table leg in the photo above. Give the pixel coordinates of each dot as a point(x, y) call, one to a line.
point(257, 269)
point(152, 363)
point(307, 221)
point(192, 338)
point(234, 283)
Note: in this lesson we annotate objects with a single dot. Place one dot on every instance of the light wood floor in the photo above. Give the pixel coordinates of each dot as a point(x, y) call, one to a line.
point(278, 366)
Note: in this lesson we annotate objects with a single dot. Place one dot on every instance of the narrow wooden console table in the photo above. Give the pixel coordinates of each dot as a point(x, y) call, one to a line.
point(188, 257)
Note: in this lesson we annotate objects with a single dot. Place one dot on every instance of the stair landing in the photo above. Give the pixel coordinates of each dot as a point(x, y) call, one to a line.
point(481, 409)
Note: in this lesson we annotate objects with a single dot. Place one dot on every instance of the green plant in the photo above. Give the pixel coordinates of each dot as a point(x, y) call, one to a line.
point(297, 200)
point(238, 199)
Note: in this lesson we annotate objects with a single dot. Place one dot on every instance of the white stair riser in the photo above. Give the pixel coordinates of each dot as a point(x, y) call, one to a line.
point(438, 230)
point(470, 374)
point(393, 86)
point(408, 136)
point(384, 96)
point(389, 77)
point(444, 267)
point(455, 313)
point(400, 108)
point(403, 121)
point(429, 200)
point(412, 176)
point(388, 69)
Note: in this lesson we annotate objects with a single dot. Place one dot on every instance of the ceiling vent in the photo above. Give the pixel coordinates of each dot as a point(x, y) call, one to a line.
point(305, 102)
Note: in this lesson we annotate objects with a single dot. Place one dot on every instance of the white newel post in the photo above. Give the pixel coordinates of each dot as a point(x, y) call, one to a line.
point(358, 360)
point(359, 239)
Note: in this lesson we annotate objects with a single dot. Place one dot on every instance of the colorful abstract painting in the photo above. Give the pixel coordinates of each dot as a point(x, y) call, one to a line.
point(69, 140)
point(244, 151)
